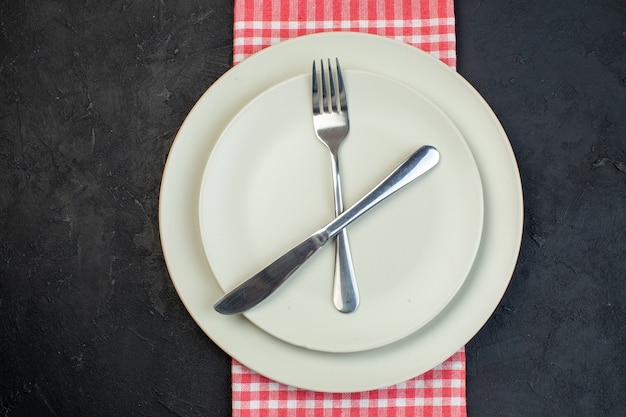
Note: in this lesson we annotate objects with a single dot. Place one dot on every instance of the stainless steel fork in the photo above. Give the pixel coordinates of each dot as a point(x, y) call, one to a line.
point(332, 124)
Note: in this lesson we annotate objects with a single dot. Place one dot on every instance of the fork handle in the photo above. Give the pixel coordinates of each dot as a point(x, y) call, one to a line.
point(345, 288)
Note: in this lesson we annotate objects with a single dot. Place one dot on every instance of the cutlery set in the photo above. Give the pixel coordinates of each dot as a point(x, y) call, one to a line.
point(331, 124)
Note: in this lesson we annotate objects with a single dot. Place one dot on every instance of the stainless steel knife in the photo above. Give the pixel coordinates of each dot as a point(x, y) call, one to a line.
point(261, 285)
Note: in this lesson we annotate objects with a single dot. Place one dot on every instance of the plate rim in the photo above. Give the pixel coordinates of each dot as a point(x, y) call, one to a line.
point(218, 327)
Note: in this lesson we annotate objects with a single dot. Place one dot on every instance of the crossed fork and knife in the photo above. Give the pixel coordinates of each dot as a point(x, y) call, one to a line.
point(332, 126)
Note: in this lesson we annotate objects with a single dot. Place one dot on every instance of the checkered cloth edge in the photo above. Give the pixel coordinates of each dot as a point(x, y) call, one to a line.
point(428, 25)
point(438, 392)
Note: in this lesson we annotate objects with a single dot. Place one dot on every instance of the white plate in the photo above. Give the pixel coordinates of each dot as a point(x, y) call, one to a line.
point(267, 186)
point(342, 372)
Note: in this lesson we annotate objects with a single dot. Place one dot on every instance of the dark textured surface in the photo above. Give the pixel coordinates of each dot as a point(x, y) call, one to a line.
point(555, 73)
point(92, 96)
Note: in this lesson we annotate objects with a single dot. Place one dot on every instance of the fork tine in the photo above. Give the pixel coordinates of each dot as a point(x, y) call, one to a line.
point(343, 102)
point(325, 98)
point(316, 92)
point(333, 96)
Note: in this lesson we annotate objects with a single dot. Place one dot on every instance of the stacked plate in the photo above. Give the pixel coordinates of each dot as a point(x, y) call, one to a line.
point(246, 179)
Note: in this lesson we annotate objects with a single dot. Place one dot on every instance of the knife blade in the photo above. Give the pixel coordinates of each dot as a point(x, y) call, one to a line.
point(261, 285)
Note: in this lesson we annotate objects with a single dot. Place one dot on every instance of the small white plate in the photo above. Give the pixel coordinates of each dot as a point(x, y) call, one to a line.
point(268, 184)
point(412, 355)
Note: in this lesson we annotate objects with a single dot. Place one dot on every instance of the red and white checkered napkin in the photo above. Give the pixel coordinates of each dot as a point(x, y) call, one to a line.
point(439, 392)
point(428, 25)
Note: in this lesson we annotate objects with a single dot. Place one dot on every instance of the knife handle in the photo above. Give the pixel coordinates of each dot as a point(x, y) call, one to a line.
point(417, 164)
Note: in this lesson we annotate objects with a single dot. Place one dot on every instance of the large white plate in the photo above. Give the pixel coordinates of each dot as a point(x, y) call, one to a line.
point(395, 362)
point(267, 186)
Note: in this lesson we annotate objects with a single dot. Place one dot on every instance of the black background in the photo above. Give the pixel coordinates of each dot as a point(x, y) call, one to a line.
point(92, 94)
